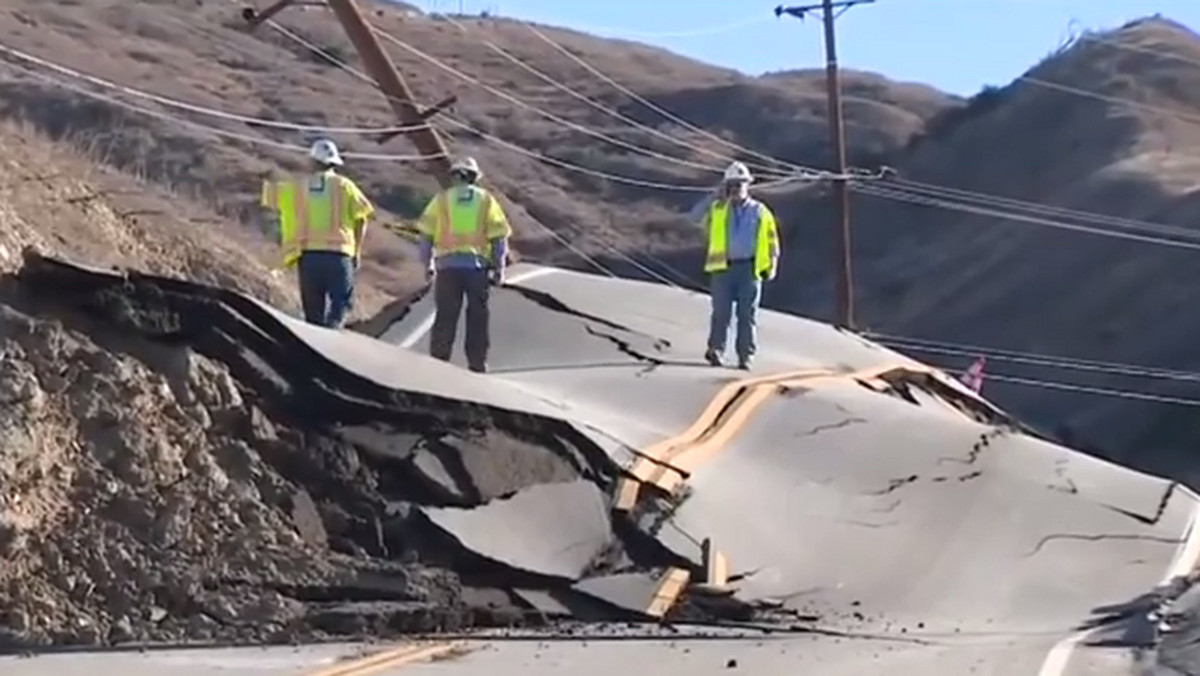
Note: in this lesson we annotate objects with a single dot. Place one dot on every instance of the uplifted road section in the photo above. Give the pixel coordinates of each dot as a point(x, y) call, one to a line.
point(602, 472)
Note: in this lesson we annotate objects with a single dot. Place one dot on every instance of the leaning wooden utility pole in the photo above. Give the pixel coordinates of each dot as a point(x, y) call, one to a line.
point(380, 66)
point(837, 137)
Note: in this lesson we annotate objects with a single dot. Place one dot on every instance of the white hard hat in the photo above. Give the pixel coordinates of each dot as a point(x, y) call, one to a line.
point(737, 172)
point(326, 152)
point(466, 164)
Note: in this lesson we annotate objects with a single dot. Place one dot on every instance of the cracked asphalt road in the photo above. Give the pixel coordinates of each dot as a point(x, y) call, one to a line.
point(985, 570)
point(853, 492)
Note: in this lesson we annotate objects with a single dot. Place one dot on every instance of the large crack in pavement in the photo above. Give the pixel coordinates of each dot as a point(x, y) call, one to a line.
point(1045, 540)
point(553, 304)
point(387, 479)
point(1158, 512)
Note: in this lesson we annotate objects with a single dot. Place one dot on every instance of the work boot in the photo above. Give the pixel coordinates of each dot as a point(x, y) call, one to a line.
point(477, 368)
point(744, 364)
point(712, 357)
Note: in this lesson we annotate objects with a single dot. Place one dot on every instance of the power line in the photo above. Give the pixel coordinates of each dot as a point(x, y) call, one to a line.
point(901, 196)
point(1159, 110)
point(564, 164)
point(666, 114)
point(756, 18)
point(596, 104)
point(553, 234)
point(548, 115)
point(1085, 389)
point(257, 140)
point(1041, 209)
point(1118, 44)
point(201, 110)
point(1033, 358)
point(1045, 360)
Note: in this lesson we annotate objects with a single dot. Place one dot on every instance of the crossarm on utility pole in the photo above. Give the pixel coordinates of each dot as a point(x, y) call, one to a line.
point(844, 301)
point(399, 96)
point(388, 79)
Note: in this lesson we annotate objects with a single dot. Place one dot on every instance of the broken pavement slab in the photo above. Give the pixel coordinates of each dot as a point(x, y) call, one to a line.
point(649, 594)
point(471, 471)
point(553, 530)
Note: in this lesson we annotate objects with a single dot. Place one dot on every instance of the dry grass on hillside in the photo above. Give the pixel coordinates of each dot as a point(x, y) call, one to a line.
point(64, 200)
point(197, 51)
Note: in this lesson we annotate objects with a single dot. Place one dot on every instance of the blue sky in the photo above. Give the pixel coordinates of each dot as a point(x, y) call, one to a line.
point(958, 50)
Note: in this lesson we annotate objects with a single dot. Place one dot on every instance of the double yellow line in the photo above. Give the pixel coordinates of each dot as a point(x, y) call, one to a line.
point(395, 657)
point(666, 463)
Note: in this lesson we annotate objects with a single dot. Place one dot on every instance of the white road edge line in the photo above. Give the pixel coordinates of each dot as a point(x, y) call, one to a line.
point(1184, 561)
point(427, 323)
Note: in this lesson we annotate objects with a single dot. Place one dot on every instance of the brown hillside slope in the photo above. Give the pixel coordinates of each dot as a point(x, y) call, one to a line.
point(941, 274)
point(198, 52)
point(137, 496)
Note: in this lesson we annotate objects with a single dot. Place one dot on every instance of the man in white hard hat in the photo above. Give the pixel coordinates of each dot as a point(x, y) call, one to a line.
point(322, 219)
point(464, 244)
point(742, 251)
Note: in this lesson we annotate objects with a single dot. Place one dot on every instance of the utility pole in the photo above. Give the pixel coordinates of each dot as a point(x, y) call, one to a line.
point(383, 70)
point(837, 137)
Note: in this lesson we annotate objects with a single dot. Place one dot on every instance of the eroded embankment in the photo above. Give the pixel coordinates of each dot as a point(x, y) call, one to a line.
point(178, 465)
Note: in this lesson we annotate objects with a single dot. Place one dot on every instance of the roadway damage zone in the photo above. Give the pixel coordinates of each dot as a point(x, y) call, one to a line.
point(175, 465)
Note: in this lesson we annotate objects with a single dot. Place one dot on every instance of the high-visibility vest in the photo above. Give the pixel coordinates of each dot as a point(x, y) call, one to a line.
point(317, 212)
point(767, 239)
point(464, 225)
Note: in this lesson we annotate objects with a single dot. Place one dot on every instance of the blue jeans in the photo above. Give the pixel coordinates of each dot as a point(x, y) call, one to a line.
point(737, 285)
point(326, 287)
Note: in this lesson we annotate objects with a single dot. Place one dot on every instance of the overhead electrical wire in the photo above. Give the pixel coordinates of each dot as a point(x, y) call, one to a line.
point(591, 260)
point(901, 342)
point(902, 196)
point(753, 19)
point(1033, 358)
point(548, 115)
point(608, 110)
point(165, 117)
point(999, 377)
point(985, 199)
point(1077, 91)
point(198, 109)
point(492, 138)
point(655, 107)
point(1085, 389)
point(951, 193)
point(1119, 44)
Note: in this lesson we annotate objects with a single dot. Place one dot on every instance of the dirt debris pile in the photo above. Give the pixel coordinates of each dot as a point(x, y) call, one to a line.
point(175, 467)
point(135, 501)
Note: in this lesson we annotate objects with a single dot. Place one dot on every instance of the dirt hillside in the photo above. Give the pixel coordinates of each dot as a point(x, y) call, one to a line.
point(199, 52)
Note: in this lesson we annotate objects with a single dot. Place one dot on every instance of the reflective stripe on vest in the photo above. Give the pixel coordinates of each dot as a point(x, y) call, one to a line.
point(718, 239)
point(462, 228)
point(311, 219)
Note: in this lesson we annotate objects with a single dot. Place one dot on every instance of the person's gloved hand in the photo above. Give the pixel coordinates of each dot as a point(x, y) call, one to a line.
point(496, 276)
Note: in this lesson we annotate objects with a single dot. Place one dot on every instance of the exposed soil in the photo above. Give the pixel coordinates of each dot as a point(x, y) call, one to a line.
point(175, 468)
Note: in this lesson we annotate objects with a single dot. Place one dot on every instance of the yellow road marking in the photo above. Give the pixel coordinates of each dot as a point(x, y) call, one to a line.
point(386, 659)
point(651, 462)
point(665, 463)
point(669, 589)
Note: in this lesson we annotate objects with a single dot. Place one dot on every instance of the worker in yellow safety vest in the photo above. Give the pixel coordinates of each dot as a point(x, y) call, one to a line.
point(322, 219)
point(464, 244)
point(742, 251)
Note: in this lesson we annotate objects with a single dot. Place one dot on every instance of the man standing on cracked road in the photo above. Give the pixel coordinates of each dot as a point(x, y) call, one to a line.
point(743, 250)
point(464, 243)
point(322, 217)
